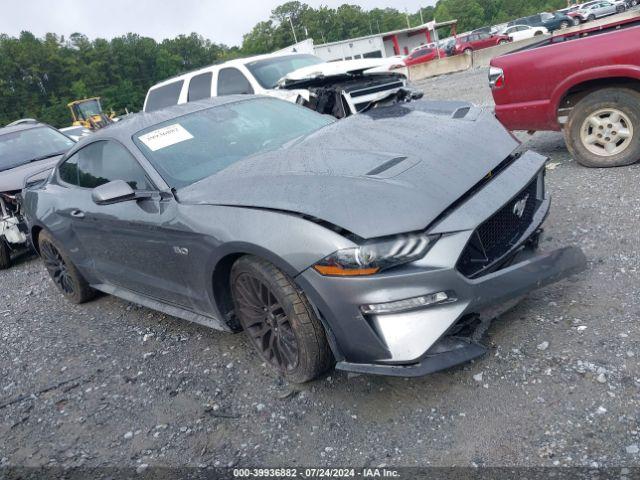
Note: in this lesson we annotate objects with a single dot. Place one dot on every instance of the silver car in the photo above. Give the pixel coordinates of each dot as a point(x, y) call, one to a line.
point(383, 242)
point(598, 10)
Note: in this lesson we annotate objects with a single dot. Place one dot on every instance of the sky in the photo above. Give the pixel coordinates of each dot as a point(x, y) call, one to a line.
point(219, 21)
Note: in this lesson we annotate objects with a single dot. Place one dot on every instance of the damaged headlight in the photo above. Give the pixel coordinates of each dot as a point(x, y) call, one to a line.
point(375, 256)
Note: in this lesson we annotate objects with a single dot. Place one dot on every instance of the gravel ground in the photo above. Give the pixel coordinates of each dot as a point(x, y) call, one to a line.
point(110, 383)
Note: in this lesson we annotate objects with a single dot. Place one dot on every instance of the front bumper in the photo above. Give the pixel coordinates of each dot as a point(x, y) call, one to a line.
point(425, 340)
point(492, 290)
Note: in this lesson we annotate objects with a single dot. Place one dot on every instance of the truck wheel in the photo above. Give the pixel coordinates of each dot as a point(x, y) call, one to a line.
point(5, 254)
point(279, 321)
point(64, 274)
point(604, 128)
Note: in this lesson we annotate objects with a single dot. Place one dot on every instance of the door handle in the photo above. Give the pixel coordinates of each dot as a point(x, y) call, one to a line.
point(77, 213)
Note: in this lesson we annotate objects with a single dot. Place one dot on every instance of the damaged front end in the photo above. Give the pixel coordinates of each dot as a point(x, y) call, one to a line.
point(13, 231)
point(350, 93)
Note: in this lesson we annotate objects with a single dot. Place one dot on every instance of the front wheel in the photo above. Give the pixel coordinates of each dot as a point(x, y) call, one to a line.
point(604, 128)
point(502, 42)
point(279, 321)
point(576, 21)
point(63, 272)
point(564, 24)
point(591, 18)
point(5, 254)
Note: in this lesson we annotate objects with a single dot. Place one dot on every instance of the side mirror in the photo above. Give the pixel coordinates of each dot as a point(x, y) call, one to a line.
point(113, 192)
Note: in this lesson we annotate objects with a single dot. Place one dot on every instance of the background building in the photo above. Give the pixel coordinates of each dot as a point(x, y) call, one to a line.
point(380, 45)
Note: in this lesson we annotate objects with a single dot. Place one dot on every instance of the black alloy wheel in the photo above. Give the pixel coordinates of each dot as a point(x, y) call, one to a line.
point(265, 321)
point(279, 320)
point(57, 268)
point(66, 277)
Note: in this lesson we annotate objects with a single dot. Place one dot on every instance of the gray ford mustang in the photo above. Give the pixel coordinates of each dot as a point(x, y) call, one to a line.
point(383, 242)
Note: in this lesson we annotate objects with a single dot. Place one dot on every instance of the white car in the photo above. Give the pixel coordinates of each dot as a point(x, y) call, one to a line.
point(524, 32)
point(338, 88)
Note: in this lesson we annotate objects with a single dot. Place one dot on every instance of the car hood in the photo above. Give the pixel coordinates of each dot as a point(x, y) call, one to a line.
point(392, 170)
point(13, 179)
point(330, 69)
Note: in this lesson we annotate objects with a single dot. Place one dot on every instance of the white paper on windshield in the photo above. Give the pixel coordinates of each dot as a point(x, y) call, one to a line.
point(165, 137)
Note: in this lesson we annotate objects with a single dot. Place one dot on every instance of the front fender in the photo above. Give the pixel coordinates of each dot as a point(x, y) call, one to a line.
point(595, 73)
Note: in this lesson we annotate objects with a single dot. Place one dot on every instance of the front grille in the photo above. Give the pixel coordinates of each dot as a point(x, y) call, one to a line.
point(499, 233)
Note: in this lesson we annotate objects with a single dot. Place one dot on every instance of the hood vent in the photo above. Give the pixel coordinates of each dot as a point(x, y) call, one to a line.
point(461, 112)
point(383, 167)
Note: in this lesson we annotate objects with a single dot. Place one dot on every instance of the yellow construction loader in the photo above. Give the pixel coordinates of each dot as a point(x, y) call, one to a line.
point(88, 113)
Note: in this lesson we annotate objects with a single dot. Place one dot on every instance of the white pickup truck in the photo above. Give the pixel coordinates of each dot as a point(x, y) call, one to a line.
point(337, 88)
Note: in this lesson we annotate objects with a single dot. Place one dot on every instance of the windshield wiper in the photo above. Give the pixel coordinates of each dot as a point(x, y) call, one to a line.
point(44, 157)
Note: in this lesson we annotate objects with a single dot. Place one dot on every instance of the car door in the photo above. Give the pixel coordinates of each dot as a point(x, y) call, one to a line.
point(131, 243)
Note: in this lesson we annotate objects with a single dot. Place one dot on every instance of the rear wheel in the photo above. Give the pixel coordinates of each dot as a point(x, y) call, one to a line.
point(468, 51)
point(279, 321)
point(576, 21)
point(63, 272)
point(5, 254)
point(591, 18)
point(502, 42)
point(604, 128)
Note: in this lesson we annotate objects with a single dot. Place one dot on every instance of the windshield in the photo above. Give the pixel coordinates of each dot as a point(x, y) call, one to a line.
point(88, 109)
point(23, 146)
point(546, 16)
point(192, 147)
point(268, 71)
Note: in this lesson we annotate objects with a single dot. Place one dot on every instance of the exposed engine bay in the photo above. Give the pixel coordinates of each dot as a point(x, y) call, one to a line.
point(344, 95)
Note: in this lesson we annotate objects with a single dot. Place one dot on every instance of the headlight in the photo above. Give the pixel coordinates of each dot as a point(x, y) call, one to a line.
point(375, 256)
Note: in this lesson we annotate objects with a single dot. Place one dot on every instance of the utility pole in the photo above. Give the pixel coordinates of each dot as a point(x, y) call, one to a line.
point(407, 15)
point(295, 38)
point(421, 19)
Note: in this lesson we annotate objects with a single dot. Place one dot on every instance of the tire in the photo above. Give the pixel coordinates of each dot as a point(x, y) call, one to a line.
point(63, 272)
point(576, 21)
point(587, 142)
point(5, 254)
point(591, 18)
point(279, 321)
point(564, 24)
point(502, 42)
point(537, 34)
point(468, 51)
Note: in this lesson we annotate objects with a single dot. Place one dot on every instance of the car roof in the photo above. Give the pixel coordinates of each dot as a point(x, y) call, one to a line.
point(22, 126)
point(229, 63)
point(129, 125)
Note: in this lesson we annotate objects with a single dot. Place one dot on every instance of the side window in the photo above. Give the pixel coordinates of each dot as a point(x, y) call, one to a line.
point(231, 81)
point(104, 161)
point(200, 87)
point(68, 171)
point(165, 96)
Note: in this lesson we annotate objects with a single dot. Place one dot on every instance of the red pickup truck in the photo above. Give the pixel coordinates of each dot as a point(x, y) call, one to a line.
point(586, 83)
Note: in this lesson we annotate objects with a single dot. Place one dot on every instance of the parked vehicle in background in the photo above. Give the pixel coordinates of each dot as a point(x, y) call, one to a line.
point(423, 55)
point(476, 41)
point(550, 21)
point(27, 148)
point(339, 88)
point(598, 10)
point(595, 101)
point(523, 32)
